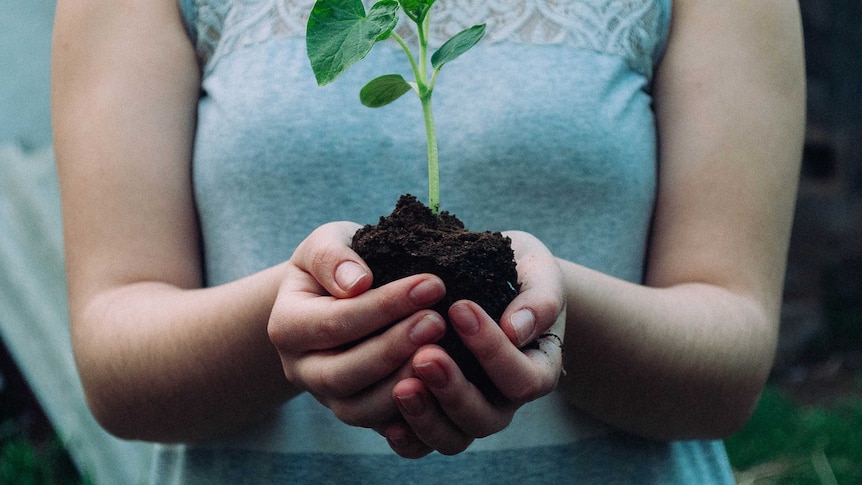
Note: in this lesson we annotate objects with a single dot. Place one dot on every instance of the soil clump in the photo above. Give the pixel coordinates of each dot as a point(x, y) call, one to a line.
point(476, 266)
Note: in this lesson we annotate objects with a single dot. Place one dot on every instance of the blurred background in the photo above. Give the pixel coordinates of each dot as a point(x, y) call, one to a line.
point(807, 428)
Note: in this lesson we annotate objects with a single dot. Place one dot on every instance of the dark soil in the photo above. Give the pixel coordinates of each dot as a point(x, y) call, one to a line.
point(477, 266)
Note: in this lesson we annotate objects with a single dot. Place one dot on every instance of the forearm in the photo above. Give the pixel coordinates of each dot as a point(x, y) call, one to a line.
point(686, 355)
point(162, 363)
point(681, 362)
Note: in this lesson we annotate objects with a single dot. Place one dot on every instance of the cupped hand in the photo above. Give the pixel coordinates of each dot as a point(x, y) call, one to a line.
point(443, 411)
point(333, 333)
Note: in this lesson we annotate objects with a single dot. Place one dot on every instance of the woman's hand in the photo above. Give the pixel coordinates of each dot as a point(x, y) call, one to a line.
point(443, 411)
point(333, 333)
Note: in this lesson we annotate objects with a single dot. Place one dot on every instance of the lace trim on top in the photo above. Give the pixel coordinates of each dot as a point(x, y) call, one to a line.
point(627, 28)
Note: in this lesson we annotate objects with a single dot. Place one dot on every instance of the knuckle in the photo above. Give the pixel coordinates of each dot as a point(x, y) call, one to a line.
point(321, 261)
point(455, 448)
point(491, 350)
point(531, 390)
point(390, 303)
point(486, 429)
point(295, 371)
point(548, 305)
point(355, 413)
point(335, 331)
point(316, 253)
point(345, 413)
point(278, 331)
point(328, 382)
point(287, 335)
point(292, 377)
point(394, 354)
point(284, 327)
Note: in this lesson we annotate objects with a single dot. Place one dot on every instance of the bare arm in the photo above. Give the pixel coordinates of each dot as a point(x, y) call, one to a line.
point(686, 355)
point(160, 357)
point(150, 346)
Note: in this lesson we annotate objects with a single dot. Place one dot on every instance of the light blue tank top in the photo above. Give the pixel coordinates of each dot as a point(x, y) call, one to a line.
point(546, 126)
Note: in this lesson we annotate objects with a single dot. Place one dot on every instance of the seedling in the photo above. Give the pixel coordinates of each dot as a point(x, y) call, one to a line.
point(340, 33)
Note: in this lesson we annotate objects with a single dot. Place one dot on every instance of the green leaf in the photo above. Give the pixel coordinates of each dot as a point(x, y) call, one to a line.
point(457, 45)
point(339, 34)
point(383, 90)
point(416, 9)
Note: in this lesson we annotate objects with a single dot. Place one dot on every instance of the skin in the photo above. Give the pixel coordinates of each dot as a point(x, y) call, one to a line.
point(684, 355)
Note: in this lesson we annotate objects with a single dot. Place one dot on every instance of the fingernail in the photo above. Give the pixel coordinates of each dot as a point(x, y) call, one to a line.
point(427, 293)
point(432, 374)
point(523, 322)
point(465, 320)
point(348, 274)
point(428, 329)
point(412, 404)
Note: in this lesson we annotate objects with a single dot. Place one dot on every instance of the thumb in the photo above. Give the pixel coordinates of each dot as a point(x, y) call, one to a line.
point(351, 278)
point(327, 256)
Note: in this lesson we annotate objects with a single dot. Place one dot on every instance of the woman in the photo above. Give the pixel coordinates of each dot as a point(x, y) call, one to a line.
point(646, 153)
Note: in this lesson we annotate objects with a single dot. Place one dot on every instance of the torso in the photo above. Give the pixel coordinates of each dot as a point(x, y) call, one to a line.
point(546, 126)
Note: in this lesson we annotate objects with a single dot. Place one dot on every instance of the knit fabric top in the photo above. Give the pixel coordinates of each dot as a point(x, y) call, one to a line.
point(545, 126)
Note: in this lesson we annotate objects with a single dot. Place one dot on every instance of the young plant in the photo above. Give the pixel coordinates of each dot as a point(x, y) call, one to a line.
point(340, 33)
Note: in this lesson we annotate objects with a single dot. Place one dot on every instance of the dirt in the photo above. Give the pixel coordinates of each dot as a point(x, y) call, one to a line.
point(477, 266)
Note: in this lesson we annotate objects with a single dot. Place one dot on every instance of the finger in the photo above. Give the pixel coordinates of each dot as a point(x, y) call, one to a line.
point(427, 421)
point(541, 299)
point(372, 407)
point(302, 321)
point(459, 400)
point(521, 376)
point(342, 373)
point(404, 442)
point(326, 254)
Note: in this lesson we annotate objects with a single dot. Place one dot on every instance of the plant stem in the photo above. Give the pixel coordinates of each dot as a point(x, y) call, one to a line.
point(423, 88)
point(422, 34)
point(426, 87)
point(433, 167)
point(410, 58)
